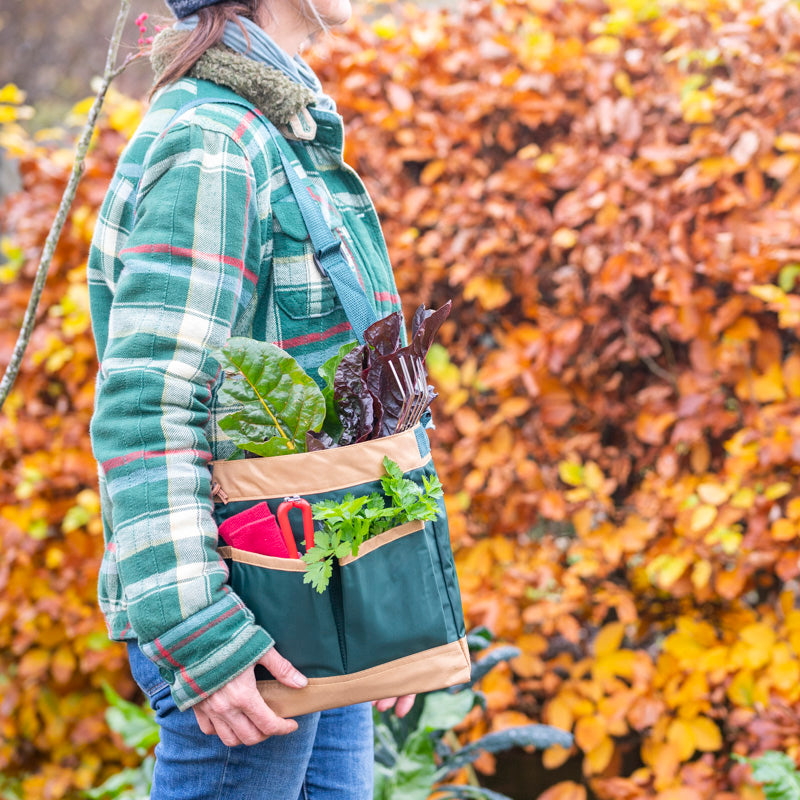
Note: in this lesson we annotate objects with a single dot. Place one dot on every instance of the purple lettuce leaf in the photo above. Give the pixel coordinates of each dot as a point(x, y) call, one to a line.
point(353, 399)
point(425, 326)
point(384, 336)
point(319, 441)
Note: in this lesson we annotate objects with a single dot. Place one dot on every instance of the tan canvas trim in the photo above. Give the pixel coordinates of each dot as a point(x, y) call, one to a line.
point(257, 560)
point(318, 472)
point(437, 668)
point(392, 535)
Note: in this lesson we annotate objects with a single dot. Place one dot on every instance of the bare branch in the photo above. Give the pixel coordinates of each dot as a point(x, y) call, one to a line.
point(110, 72)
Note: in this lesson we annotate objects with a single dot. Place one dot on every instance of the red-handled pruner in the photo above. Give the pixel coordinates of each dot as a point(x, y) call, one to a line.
point(286, 529)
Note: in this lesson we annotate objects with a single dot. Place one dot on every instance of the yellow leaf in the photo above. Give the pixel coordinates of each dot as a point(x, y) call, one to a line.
point(12, 94)
point(81, 108)
point(791, 375)
point(741, 690)
point(491, 293)
point(570, 473)
point(680, 735)
point(559, 714)
point(785, 676)
point(787, 141)
point(706, 734)
point(701, 574)
point(598, 759)
point(565, 238)
point(778, 490)
point(622, 83)
point(530, 151)
point(590, 732)
point(620, 664)
point(608, 639)
point(712, 493)
point(768, 292)
point(698, 106)
point(702, 517)
point(744, 498)
point(604, 46)
point(555, 756)
point(593, 476)
point(759, 636)
point(664, 570)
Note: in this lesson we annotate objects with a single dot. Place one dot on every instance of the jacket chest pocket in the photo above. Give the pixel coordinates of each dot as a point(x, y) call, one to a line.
point(300, 290)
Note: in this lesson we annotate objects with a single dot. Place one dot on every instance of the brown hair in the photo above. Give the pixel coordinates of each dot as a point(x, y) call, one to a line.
point(210, 27)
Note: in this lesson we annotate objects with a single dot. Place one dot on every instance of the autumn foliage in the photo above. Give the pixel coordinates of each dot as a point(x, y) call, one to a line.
point(610, 193)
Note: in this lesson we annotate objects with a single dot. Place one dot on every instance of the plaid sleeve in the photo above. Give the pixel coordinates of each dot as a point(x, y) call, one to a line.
point(188, 267)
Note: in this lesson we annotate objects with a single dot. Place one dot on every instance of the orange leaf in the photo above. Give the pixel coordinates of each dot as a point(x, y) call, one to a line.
point(590, 733)
point(555, 756)
point(566, 790)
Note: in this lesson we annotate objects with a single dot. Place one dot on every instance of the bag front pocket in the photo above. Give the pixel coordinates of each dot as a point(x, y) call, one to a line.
point(300, 620)
point(391, 602)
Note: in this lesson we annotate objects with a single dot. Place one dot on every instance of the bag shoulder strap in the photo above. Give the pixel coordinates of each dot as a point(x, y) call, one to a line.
point(328, 254)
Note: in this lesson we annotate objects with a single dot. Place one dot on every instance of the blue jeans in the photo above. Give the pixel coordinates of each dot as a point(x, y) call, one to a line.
point(329, 756)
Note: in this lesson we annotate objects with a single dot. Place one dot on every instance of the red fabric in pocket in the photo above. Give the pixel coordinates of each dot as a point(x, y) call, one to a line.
point(255, 530)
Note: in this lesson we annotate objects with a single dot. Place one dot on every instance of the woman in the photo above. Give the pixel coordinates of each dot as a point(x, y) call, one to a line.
point(200, 239)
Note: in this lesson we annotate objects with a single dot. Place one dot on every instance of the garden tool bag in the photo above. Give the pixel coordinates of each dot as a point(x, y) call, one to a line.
point(390, 622)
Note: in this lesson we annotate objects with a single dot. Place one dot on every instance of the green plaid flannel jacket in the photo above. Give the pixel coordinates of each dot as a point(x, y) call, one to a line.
point(199, 239)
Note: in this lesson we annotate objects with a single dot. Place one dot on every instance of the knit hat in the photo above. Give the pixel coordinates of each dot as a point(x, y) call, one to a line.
point(185, 8)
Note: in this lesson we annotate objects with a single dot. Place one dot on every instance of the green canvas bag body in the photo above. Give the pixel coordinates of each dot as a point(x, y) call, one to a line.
point(390, 622)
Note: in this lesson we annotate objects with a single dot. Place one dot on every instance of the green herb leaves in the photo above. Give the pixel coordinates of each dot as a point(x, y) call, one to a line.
point(351, 521)
point(280, 401)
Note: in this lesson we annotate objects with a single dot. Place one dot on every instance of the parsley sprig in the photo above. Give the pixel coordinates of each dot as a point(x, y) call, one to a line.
point(349, 522)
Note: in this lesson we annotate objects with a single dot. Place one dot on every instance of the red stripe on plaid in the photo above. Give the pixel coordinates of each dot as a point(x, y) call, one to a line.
point(192, 636)
point(188, 678)
point(310, 338)
point(243, 125)
point(120, 461)
point(188, 252)
point(387, 297)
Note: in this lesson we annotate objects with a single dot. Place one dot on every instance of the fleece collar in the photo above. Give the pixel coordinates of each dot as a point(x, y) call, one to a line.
point(276, 95)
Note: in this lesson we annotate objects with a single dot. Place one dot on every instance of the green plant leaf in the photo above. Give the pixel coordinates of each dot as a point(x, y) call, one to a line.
point(777, 772)
point(281, 402)
point(134, 723)
point(539, 736)
point(443, 710)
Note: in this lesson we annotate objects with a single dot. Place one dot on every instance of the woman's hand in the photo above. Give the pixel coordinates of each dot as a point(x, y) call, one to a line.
point(402, 705)
point(237, 712)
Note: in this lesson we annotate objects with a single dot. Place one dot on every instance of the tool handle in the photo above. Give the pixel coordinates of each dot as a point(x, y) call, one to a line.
point(308, 520)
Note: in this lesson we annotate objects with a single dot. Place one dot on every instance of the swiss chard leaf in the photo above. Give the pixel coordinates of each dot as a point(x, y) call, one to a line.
point(281, 402)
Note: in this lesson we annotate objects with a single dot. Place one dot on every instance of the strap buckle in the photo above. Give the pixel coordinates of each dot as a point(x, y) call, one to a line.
point(325, 252)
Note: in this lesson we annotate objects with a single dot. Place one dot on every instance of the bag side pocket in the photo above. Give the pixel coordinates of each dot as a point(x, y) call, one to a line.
point(390, 598)
point(300, 620)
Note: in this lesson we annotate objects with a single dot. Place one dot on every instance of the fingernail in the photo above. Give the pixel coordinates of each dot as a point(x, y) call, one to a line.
point(299, 680)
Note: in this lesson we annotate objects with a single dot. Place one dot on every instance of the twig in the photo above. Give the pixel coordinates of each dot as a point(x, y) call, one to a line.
point(110, 72)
